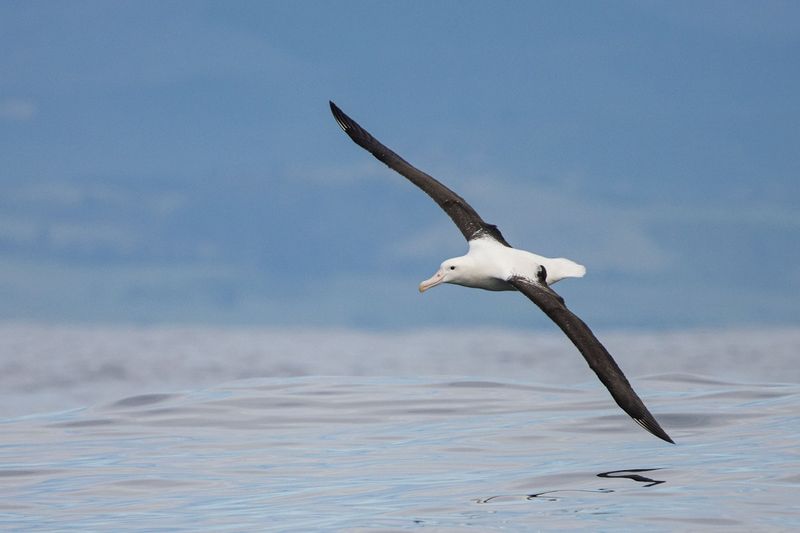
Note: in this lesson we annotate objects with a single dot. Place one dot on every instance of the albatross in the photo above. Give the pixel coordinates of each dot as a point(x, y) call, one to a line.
point(491, 263)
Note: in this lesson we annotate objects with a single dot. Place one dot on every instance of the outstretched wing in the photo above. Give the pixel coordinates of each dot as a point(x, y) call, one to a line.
point(468, 221)
point(592, 350)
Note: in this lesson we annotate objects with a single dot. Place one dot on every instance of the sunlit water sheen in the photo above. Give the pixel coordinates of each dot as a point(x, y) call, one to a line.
point(310, 454)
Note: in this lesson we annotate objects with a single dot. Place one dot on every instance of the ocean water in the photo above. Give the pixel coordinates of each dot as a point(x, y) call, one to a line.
point(242, 430)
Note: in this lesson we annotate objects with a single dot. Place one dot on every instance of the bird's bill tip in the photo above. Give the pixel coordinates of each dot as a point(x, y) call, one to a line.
point(431, 282)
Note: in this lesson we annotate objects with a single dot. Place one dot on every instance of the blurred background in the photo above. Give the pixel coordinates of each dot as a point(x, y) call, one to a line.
point(176, 162)
point(179, 212)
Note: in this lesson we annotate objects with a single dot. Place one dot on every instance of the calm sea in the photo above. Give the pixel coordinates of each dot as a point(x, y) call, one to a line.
point(109, 429)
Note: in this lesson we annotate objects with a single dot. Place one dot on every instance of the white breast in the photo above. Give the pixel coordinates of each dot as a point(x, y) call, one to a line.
point(494, 263)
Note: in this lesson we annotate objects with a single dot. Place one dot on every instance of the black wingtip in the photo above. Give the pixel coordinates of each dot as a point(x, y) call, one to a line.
point(653, 427)
point(338, 114)
point(342, 120)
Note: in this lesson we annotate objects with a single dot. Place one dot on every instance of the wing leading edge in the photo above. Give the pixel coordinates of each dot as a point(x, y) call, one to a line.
point(465, 217)
point(593, 351)
point(472, 226)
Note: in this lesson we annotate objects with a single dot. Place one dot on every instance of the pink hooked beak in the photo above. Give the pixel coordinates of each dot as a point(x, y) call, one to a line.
point(432, 282)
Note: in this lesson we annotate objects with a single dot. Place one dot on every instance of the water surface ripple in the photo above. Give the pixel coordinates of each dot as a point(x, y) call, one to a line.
point(370, 453)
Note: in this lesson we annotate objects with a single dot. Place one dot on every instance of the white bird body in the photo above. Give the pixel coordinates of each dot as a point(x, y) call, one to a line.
point(489, 265)
point(494, 265)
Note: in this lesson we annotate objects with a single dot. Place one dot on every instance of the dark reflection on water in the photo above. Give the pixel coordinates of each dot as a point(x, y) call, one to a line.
point(635, 475)
point(554, 495)
point(549, 493)
point(311, 454)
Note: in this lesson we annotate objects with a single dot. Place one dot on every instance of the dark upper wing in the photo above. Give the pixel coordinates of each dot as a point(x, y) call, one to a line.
point(595, 353)
point(465, 217)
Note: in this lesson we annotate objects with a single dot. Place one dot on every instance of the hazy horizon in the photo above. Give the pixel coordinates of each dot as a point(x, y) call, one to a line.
point(176, 163)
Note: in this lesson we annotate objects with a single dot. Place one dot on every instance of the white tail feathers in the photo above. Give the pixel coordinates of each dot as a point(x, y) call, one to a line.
point(560, 268)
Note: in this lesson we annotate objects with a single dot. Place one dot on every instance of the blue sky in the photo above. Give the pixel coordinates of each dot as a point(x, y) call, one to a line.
point(166, 162)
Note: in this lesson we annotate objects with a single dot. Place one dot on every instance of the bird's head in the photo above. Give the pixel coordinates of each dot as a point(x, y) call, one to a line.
point(451, 271)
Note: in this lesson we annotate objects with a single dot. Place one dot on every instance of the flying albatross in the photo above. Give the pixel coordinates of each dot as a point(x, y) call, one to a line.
point(492, 264)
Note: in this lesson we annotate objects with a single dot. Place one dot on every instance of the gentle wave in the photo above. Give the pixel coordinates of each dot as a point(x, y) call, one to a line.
point(345, 453)
point(44, 368)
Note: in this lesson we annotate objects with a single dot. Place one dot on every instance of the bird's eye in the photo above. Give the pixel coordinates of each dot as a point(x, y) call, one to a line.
point(452, 268)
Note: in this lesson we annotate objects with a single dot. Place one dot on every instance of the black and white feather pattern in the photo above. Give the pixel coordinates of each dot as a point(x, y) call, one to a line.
point(537, 290)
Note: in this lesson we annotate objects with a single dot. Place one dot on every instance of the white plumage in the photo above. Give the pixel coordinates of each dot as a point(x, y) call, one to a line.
point(489, 265)
point(493, 264)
